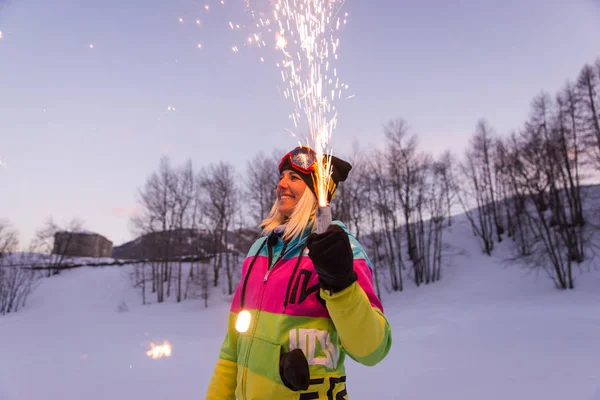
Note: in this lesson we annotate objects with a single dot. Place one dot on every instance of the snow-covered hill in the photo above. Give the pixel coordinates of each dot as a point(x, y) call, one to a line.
point(488, 330)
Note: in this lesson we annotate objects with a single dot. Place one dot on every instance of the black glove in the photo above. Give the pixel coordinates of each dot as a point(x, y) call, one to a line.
point(332, 257)
point(293, 369)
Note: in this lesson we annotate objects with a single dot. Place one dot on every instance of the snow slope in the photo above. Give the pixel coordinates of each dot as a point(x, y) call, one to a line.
point(487, 330)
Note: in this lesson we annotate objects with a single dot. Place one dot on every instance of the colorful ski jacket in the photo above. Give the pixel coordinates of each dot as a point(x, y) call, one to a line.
point(279, 287)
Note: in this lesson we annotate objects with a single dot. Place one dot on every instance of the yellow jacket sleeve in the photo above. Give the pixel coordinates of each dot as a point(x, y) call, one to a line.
point(364, 331)
point(224, 379)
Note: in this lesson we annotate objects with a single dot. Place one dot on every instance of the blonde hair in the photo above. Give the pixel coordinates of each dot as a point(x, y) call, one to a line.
point(302, 217)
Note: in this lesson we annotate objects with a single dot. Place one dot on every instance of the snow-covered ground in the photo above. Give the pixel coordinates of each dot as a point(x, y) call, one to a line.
point(487, 330)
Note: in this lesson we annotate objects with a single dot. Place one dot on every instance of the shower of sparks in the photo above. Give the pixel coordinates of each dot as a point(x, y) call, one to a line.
point(1, 36)
point(303, 34)
point(159, 351)
point(306, 37)
point(2, 163)
point(91, 46)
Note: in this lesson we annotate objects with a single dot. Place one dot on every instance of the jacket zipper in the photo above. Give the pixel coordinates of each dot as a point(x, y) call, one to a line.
point(255, 324)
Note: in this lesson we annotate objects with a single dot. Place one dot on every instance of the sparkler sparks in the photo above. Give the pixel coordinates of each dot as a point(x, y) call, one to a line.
point(2, 163)
point(281, 42)
point(159, 351)
point(304, 35)
point(307, 40)
point(1, 35)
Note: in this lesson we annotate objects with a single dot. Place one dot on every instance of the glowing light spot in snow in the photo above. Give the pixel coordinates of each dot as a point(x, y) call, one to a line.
point(159, 351)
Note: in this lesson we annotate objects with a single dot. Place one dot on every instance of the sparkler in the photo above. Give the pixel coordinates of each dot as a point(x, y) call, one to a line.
point(159, 351)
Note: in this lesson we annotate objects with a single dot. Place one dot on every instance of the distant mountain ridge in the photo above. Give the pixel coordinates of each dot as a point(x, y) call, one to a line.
point(184, 242)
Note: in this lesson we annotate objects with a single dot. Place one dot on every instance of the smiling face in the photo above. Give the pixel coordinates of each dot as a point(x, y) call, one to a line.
point(290, 189)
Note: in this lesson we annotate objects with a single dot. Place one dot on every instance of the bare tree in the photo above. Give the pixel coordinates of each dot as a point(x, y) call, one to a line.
point(432, 211)
point(439, 210)
point(445, 170)
point(504, 191)
point(471, 188)
point(480, 185)
point(402, 174)
point(383, 203)
point(8, 238)
point(565, 137)
point(517, 210)
point(140, 280)
point(184, 195)
point(221, 201)
point(157, 222)
point(17, 278)
point(204, 284)
point(422, 239)
point(197, 236)
point(262, 176)
point(588, 88)
point(17, 281)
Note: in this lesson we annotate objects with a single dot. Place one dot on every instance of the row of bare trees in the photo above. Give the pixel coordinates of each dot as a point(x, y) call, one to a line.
point(397, 203)
point(526, 186)
point(191, 213)
point(530, 185)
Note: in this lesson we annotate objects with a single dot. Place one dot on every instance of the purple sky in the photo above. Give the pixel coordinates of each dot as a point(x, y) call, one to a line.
point(82, 128)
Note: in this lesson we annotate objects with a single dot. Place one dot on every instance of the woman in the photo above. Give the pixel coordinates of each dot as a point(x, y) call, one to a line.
point(310, 297)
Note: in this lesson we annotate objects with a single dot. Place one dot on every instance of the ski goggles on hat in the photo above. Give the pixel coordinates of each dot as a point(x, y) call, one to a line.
point(302, 159)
